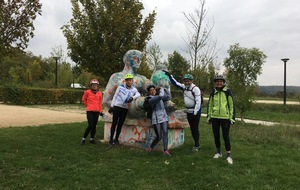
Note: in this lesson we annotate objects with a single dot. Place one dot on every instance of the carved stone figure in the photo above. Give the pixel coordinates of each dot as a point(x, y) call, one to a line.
point(132, 60)
point(137, 129)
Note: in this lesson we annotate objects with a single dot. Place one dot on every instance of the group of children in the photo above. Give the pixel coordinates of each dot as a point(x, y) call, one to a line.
point(220, 112)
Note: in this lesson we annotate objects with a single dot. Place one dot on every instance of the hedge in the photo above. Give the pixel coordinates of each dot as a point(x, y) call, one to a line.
point(28, 95)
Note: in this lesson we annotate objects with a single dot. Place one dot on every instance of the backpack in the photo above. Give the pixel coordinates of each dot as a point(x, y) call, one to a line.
point(194, 94)
point(147, 107)
point(227, 93)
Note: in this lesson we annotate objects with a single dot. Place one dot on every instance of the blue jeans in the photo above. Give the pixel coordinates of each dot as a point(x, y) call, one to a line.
point(161, 131)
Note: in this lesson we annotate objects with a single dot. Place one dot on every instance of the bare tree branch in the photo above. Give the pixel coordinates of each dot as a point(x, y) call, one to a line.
point(201, 48)
point(154, 55)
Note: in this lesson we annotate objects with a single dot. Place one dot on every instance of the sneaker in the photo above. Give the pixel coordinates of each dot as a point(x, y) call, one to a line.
point(116, 142)
point(82, 141)
point(196, 148)
point(111, 143)
point(167, 152)
point(229, 160)
point(217, 155)
point(92, 141)
point(149, 149)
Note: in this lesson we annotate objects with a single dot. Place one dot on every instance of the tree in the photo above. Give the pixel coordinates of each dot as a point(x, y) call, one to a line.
point(17, 27)
point(153, 55)
point(76, 71)
point(16, 68)
point(101, 32)
point(202, 77)
point(243, 66)
point(65, 75)
point(34, 71)
point(178, 65)
point(200, 46)
point(57, 51)
point(145, 69)
point(211, 75)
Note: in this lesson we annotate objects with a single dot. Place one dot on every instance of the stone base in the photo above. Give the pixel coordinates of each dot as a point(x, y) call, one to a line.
point(140, 133)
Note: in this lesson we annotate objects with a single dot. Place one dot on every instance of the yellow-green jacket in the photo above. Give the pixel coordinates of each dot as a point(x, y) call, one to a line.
point(220, 105)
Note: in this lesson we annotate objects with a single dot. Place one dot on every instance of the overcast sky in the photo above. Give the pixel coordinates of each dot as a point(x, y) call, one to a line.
point(269, 25)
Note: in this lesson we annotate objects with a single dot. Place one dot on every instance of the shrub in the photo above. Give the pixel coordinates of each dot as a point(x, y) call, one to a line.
point(28, 95)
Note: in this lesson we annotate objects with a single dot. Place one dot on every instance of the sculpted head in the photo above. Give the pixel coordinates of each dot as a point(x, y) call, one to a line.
point(132, 59)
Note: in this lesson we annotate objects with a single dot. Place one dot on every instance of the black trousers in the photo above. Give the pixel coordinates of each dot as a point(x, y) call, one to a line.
point(225, 126)
point(194, 126)
point(119, 116)
point(92, 118)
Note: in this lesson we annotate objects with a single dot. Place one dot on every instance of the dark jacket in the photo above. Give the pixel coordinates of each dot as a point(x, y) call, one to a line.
point(159, 114)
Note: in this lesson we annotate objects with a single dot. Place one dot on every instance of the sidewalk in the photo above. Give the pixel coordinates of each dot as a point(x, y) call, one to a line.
point(272, 102)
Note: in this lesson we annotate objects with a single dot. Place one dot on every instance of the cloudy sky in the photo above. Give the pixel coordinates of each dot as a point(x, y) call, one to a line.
point(269, 25)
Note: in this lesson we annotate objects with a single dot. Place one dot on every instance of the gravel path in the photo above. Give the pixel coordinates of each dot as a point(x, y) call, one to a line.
point(17, 116)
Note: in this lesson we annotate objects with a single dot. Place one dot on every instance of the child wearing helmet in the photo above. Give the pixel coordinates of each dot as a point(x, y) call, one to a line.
point(192, 101)
point(92, 99)
point(122, 98)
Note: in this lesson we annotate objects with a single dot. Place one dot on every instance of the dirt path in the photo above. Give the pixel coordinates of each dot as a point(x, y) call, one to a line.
point(17, 116)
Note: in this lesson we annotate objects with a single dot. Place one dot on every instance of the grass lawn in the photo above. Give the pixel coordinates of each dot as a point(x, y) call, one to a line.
point(50, 157)
point(288, 114)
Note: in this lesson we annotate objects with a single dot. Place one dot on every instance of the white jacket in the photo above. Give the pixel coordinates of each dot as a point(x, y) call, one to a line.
point(122, 96)
point(191, 96)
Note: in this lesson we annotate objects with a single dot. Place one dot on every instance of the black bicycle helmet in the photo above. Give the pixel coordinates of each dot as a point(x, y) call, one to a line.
point(149, 87)
point(219, 77)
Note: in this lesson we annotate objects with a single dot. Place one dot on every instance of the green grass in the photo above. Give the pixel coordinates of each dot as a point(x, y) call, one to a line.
point(288, 114)
point(50, 157)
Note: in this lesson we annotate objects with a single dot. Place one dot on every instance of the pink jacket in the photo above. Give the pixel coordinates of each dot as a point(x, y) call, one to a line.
point(92, 102)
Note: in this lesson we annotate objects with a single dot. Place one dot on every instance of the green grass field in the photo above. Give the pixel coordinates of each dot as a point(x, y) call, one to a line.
point(50, 157)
